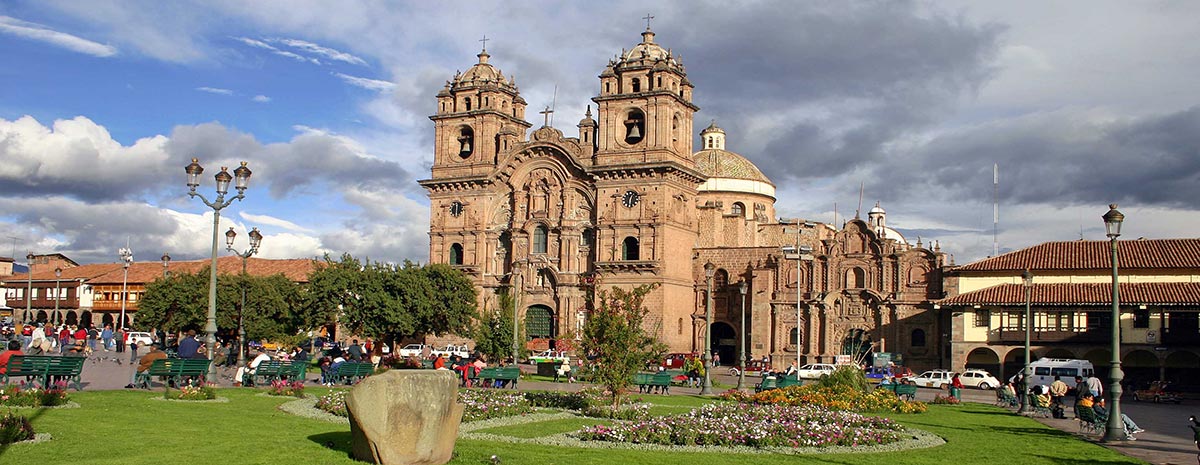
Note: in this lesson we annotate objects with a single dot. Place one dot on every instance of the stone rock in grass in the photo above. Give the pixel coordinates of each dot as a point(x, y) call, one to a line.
point(405, 417)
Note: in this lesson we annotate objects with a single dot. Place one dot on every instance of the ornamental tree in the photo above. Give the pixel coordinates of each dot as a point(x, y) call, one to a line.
point(619, 339)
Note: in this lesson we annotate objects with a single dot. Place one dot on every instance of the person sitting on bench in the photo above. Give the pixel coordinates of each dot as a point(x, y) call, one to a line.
point(144, 363)
point(239, 378)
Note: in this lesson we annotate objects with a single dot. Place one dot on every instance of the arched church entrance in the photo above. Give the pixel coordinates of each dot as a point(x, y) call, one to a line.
point(724, 342)
point(539, 324)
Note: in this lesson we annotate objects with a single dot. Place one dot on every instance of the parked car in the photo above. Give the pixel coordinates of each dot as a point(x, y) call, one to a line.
point(979, 378)
point(753, 368)
point(411, 350)
point(816, 370)
point(1157, 392)
point(934, 378)
point(452, 350)
point(549, 355)
point(675, 361)
point(139, 338)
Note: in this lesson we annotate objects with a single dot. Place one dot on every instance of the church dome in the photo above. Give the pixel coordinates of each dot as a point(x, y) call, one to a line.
point(648, 54)
point(483, 73)
point(719, 163)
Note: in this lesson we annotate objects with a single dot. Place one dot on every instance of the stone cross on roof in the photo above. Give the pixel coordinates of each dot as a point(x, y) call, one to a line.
point(484, 40)
point(546, 113)
point(648, 17)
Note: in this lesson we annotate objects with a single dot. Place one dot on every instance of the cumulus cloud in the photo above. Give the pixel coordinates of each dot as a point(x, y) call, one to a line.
point(40, 33)
point(260, 99)
point(273, 221)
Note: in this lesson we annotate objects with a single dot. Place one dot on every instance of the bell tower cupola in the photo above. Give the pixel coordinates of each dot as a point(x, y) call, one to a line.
point(478, 112)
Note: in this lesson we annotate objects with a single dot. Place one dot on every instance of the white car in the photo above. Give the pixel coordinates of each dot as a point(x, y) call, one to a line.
point(411, 350)
point(549, 356)
point(452, 350)
point(141, 339)
point(934, 379)
point(979, 378)
point(816, 370)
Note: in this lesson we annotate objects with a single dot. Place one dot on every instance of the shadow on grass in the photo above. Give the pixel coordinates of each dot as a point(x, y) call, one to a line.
point(1045, 431)
point(1064, 461)
point(337, 440)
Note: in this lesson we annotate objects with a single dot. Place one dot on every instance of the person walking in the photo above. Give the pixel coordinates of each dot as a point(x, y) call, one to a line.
point(1058, 390)
point(121, 340)
point(106, 337)
point(956, 387)
point(92, 335)
point(1094, 385)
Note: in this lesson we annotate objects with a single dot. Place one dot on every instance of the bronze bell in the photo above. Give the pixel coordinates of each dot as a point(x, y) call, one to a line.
point(634, 132)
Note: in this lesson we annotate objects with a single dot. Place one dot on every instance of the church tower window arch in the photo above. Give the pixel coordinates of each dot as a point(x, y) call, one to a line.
point(635, 126)
point(540, 239)
point(630, 249)
point(456, 254)
point(856, 278)
point(739, 209)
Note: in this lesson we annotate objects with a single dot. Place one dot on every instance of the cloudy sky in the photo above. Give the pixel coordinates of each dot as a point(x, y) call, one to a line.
point(103, 103)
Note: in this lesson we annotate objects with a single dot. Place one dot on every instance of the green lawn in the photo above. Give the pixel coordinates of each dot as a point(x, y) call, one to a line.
point(128, 427)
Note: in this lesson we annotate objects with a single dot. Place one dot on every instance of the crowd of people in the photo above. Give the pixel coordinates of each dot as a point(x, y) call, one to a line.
point(1088, 393)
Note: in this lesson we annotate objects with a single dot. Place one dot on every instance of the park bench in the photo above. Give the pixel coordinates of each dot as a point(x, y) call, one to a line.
point(903, 391)
point(648, 382)
point(174, 371)
point(493, 374)
point(43, 370)
point(351, 372)
point(766, 384)
point(270, 371)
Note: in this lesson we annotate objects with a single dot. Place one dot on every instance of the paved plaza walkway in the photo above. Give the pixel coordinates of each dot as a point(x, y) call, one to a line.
point(1167, 439)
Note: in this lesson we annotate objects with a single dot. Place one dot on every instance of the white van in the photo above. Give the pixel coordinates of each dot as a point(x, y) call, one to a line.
point(1043, 371)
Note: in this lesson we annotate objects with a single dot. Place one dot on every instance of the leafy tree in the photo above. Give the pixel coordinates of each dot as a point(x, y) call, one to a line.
point(180, 303)
point(493, 332)
point(615, 334)
point(177, 303)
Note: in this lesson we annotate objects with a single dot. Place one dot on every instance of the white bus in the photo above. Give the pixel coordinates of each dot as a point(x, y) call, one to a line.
point(1043, 371)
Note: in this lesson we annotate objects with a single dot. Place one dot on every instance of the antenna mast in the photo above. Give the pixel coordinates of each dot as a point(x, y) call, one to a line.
point(553, 104)
point(861, 186)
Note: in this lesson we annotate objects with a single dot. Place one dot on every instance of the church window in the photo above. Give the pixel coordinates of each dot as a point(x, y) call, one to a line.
point(660, 81)
point(539, 239)
point(637, 85)
point(486, 102)
point(456, 254)
point(680, 326)
point(710, 143)
point(720, 279)
point(608, 87)
point(635, 126)
point(983, 318)
point(918, 338)
point(467, 102)
point(629, 248)
point(794, 337)
point(856, 278)
point(586, 239)
point(739, 209)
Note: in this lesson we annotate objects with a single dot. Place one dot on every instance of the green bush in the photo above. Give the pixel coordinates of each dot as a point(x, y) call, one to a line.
point(14, 428)
point(559, 400)
point(845, 377)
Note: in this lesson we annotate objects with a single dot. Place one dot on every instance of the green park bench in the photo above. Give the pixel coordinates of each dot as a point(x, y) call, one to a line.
point(493, 374)
point(298, 370)
point(270, 371)
point(786, 382)
point(174, 371)
point(351, 372)
point(903, 391)
point(43, 370)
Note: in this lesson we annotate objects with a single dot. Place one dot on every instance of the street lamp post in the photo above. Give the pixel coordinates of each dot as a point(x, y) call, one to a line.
point(255, 241)
point(1027, 283)
point(242, 176)
point(57, 280)
point(706, 356)
point(516, 295)
point(127, 258)
point(1116, 428)
point(166, 261)
point(742, 350)
point(29, 293)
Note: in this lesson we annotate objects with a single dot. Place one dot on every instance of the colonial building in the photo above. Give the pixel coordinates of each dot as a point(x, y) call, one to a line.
point(1070, 299)
point(627, 202)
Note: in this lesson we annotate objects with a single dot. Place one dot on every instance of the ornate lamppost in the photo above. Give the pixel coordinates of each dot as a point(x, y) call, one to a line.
point(242, 177)
point(127, 258)
point(255, 240)
point(1027, 283)
point(1116, 428)
point(166, 261)
point(706, 356)
point(742, 350)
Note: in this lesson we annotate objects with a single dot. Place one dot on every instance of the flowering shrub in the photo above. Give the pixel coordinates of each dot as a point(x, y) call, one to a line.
point(287, 388)
point(735, 395)
point(14, 428)
point(879, 400)
point(560, 400)
point(334, 402)
point(729, 424)
point(945, 400)
point(398, 362)
point(23, 395)
point(205, 391)
point(482, 404)
point(624, 412)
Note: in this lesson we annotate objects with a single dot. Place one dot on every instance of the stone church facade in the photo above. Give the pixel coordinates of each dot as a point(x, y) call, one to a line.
point(627, 201)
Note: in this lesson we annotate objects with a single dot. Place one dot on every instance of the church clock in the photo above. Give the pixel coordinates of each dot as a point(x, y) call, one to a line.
point(456, 208)
point(630, 199)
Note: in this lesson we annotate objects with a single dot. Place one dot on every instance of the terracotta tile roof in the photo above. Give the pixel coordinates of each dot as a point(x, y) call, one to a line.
point(1182, 293)
point(296, 269)
point(1085, 255)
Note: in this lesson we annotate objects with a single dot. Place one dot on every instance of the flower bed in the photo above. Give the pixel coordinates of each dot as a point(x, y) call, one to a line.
point(333, 403)
point(22, 395)
point(854, 400)
point(205, 391)
point(15, 428)
point(750, 425)
point(483, 404)
point(945, 400)
point(286, 388)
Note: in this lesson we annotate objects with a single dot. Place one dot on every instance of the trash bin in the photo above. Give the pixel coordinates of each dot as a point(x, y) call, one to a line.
point(956, 393)
point(547, 368)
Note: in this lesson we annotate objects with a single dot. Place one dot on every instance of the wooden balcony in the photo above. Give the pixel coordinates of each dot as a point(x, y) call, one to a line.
point(1178, 337)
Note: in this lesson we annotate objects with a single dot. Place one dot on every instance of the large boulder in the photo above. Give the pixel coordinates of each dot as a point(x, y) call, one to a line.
point(403, 417)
